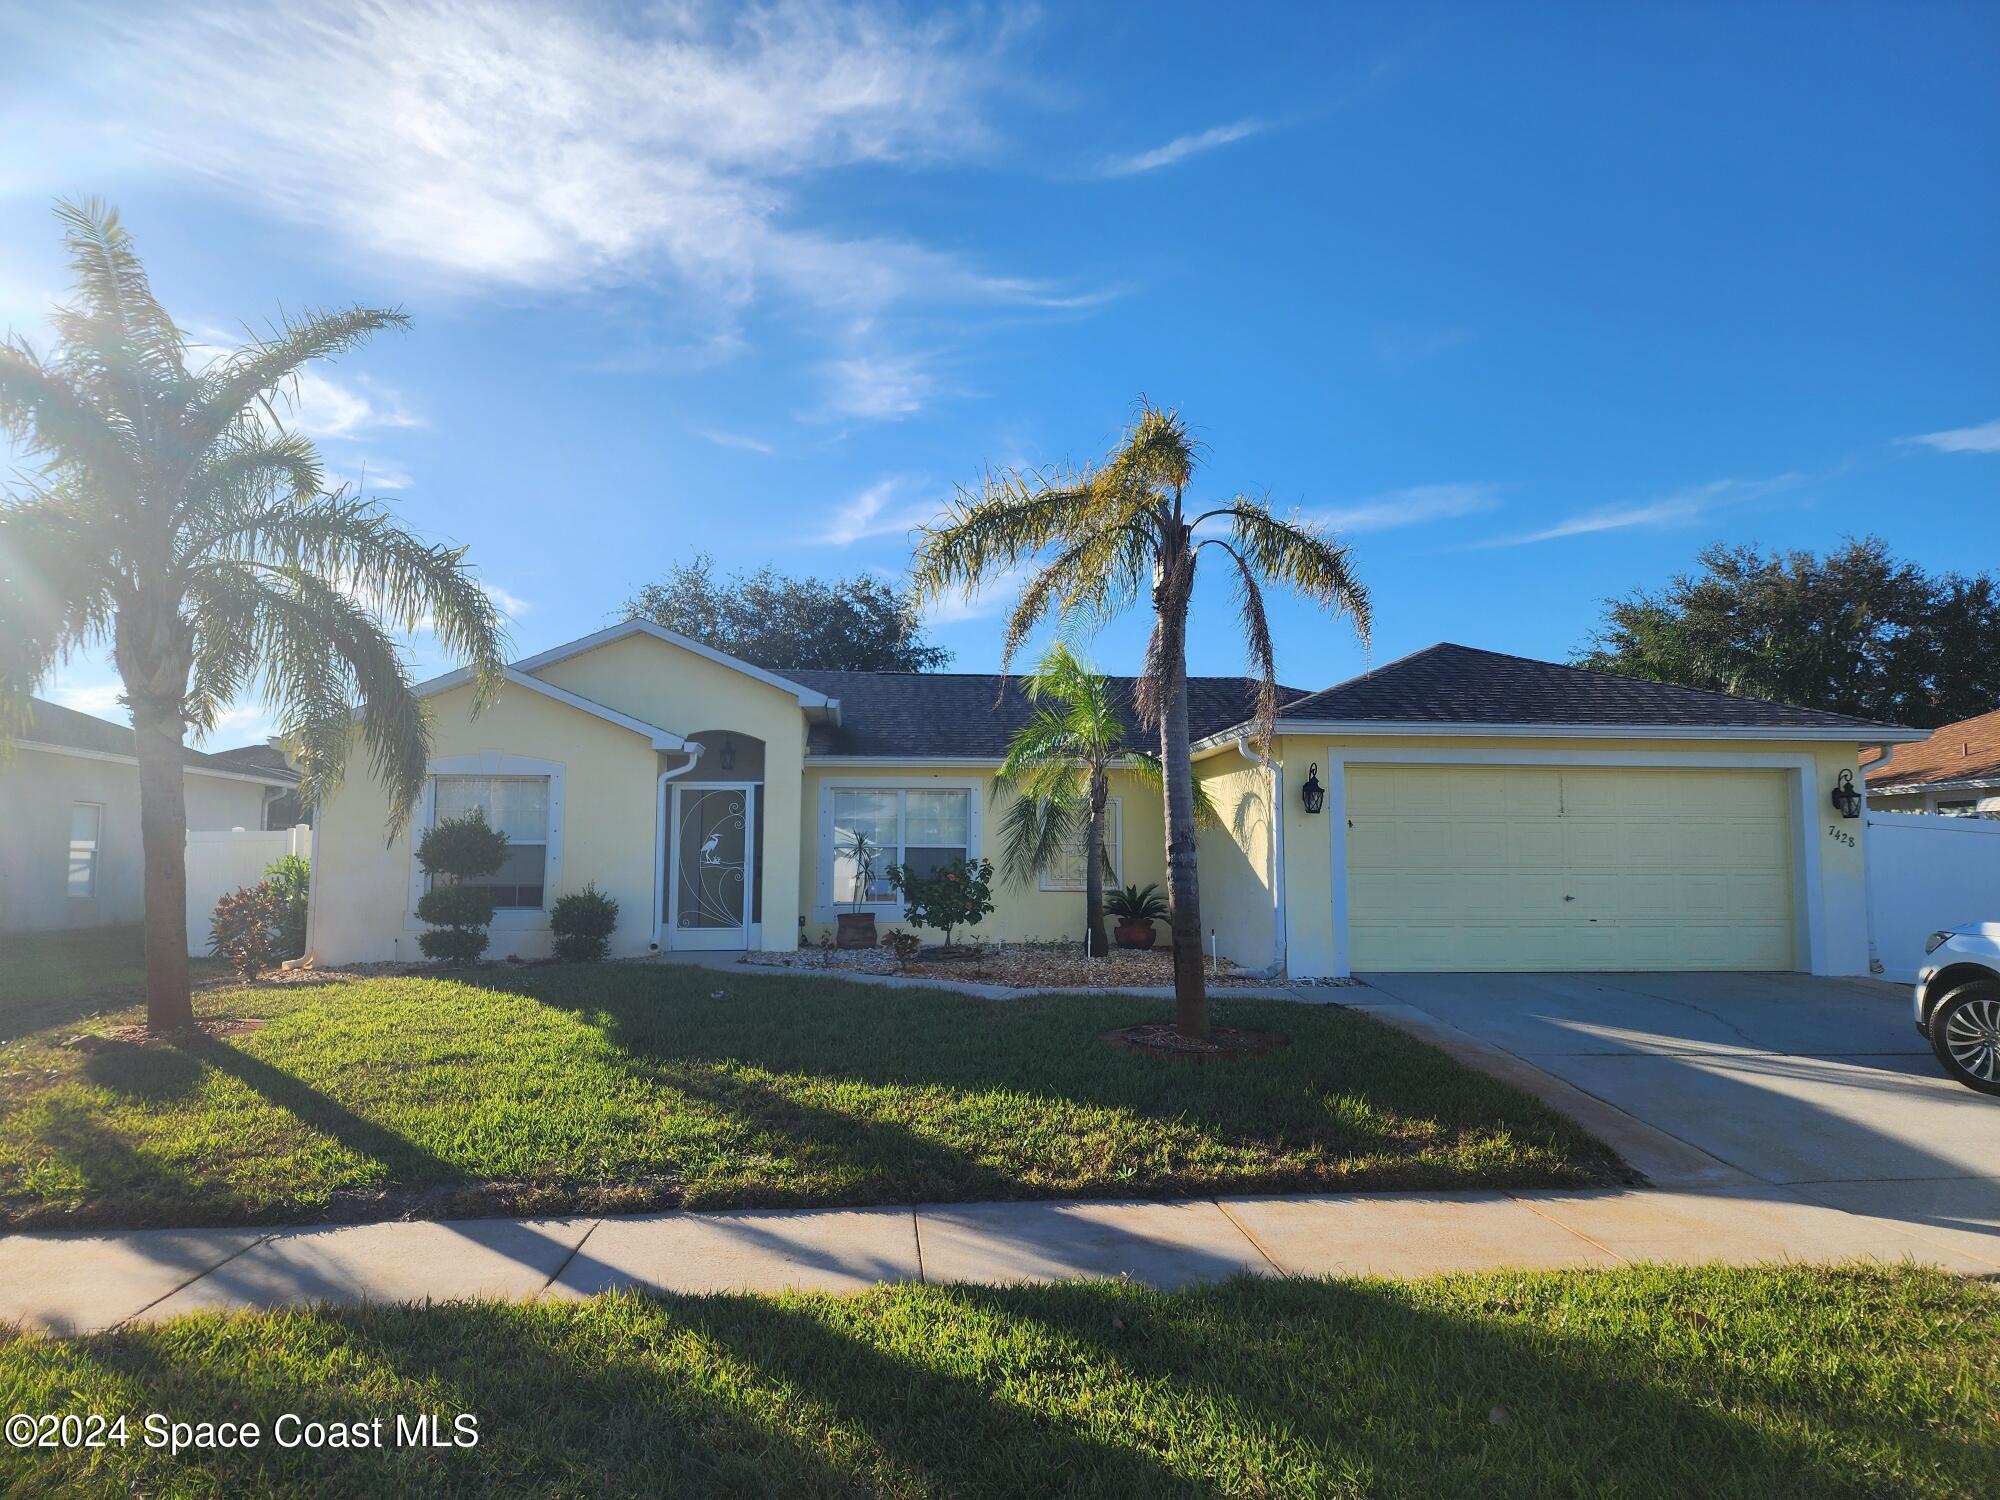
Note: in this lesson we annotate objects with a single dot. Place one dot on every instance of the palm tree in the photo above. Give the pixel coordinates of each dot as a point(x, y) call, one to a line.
point(174, 516)
point(1058, 768)
point(1098, 538)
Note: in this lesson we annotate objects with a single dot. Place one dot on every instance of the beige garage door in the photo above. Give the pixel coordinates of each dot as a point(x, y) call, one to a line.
point(1568, 868)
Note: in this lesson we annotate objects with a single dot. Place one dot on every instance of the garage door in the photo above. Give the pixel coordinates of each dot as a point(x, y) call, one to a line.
point(1568, 868)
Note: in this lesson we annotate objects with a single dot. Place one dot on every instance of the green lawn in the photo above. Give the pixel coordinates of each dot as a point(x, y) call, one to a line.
point(1647, 1382)
point(49, 978)
point(626, 1086)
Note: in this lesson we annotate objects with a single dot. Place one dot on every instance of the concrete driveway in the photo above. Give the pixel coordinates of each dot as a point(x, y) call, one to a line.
point(1819, 1088)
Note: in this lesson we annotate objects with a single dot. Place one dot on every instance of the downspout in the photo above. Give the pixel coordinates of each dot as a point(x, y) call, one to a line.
point(660, 845)
point(1861, 781)
point(1276, 968)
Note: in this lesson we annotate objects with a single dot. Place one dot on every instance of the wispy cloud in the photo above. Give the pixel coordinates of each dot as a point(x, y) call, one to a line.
point(1681, 508)
point(735, 440)
point(1985, 438)
point(878, 387)
point(998, 593)
point(1415, 506)
point(879, 510)
point(322, 407)
point(1181, 147)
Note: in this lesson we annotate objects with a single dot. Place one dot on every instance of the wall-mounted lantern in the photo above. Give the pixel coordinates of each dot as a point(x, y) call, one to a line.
point(728, 753)
point(1845, 798)
point(1312, 793)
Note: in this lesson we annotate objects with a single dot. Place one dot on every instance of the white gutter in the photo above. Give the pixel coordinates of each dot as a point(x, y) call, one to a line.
point(694, 753)
point(1276, 968)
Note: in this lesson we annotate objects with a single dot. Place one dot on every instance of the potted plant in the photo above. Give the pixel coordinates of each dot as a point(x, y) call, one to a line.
point(856, 929)
point(1136, 910)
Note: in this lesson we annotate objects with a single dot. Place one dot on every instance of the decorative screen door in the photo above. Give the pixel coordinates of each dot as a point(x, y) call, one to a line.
point(713, 850)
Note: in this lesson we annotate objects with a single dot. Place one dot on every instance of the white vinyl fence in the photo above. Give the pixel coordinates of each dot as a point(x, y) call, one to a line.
point(217, 863)
point(1927, 872)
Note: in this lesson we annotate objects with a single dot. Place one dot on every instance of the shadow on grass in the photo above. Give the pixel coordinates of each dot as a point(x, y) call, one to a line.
point(1280, 1389)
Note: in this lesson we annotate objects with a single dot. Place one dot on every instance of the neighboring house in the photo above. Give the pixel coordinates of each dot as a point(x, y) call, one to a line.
point(1955, 772)
point(283, 810)
point(1479, 811)
point(69, 818)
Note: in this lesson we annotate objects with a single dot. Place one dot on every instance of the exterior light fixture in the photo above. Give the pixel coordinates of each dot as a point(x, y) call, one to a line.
point(1312, 793)
point(1845, 798)
point(728, 753)
point(1847, 801)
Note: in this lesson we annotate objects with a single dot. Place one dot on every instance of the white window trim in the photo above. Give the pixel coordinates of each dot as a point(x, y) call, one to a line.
point(492, 763)
point(1809, 936)
point(825, 908)
point(96, 852)
point(1117, 842)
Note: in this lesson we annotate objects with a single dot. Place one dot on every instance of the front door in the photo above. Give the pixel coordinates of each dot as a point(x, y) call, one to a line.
point(713, 854)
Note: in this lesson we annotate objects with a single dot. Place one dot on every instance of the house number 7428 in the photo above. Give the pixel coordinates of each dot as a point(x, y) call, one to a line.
point(1840, 835)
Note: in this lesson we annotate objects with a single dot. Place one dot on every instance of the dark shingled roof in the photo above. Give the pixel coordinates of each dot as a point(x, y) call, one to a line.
point(1450, 684)
point(55, 725)
point(930, 714)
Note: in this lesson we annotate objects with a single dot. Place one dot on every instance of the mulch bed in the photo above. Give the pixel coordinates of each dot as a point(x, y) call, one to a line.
point(1224, 1044)
point(139, 1036)
point(1024, 966)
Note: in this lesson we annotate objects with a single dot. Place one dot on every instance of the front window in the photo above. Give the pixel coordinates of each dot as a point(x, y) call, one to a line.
point(1067, 870)
point(919, 829)
point(519, 807)
point(86, 824)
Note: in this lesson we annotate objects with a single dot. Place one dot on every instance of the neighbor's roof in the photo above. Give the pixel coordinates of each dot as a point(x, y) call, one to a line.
point(1966, 751)
point(1459, 685)
point(931, 715)
point(69, 730)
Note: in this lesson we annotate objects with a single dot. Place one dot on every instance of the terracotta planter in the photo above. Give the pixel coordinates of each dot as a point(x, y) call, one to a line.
point(854, 929)
point(1134, 935)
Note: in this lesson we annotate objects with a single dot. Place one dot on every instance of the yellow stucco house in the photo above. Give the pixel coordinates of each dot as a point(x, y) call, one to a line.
point(1457, 809)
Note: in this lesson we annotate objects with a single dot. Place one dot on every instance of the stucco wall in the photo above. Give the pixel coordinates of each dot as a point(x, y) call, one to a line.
point(1235, 865)
point(1021, 913)
point(1839, 891)
point(36, 791)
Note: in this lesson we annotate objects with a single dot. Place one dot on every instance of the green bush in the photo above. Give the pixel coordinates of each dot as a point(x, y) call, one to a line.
point(247, 928)
point(290, 875)
point(583, 922)
point(452, 852)
point(955, 894)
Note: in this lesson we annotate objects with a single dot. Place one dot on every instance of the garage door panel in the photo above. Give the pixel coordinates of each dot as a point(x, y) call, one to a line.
point(1568, 868)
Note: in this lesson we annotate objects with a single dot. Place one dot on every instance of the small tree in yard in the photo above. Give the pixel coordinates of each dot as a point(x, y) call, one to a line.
point(454, 851)
point(248, 928)
point(583, 922)
point(955, 894)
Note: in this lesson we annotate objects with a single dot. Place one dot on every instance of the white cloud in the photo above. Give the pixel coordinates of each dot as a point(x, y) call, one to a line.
point(1985, 438)
point(874, 513)
point(735, 440)
point(321, 407)
point(1408, 507)
point(1681, 508)
point(511, 605)
point(878, 387)
point(98, 698)
point(1181, 147)
point(998, 594)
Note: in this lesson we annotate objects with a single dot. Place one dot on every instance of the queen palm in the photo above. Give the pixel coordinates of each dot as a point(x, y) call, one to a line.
point(173, 515)
point(1096, 539)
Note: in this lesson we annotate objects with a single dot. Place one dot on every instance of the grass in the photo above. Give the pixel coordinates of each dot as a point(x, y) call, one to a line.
point(1643, 1382)
point(615, 1087)
point(48, 978)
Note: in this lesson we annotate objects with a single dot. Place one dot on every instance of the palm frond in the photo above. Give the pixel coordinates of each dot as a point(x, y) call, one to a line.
point(56, 593)
point(120, 327)
point(48, 417)
point(1302, 556)
point(241, 383)
point(1257, 636)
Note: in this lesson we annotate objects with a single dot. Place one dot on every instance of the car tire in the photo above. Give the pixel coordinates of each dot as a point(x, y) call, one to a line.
point(1965, 1035)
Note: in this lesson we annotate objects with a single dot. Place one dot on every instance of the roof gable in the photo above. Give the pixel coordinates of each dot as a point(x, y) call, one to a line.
point(1449, 684)
point(1966, 751)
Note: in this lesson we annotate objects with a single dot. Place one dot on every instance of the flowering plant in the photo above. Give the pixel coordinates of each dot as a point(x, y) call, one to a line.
point(957, 893)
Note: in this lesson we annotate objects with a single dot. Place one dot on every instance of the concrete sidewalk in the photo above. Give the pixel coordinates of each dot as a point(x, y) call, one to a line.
point(73, 1283)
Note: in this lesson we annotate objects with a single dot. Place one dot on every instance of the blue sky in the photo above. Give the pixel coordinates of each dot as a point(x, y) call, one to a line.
point(1529, 302)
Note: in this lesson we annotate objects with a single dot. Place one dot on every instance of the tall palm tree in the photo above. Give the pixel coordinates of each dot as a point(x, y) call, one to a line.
point(1058, 770)
point(1098, 538)
point(173, 515)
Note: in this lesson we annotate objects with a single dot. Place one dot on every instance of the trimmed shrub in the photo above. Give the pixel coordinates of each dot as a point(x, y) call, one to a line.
point(290, 875)
point(955, 894)
point(904, 945)
point(247, 928)
point(583, 922)
point(452, 852)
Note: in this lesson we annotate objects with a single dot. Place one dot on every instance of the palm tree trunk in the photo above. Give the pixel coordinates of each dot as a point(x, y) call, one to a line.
point(1096, 938)
point(163, 840)
point(1183, 885)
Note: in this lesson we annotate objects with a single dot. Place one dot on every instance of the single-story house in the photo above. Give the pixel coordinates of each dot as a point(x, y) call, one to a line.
point(1455, 809)
point(69, 817)
point(1955, 772)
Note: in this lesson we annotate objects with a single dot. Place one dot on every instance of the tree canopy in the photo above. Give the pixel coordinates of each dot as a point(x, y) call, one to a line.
point(857, 624)
point(1853, 632)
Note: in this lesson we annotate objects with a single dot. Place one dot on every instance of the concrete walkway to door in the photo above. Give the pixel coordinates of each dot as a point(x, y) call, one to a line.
point(1779, 1087)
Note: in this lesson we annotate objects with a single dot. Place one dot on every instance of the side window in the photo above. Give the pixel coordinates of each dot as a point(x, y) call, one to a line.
point(86, 827)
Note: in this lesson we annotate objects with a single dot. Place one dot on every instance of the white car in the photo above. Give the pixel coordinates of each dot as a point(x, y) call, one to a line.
point(1958, 1003)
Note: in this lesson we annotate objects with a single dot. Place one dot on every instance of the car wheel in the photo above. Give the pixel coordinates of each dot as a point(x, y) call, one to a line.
point(1965, 1035)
